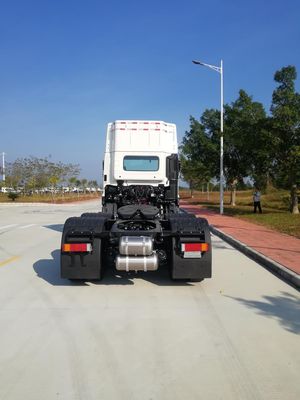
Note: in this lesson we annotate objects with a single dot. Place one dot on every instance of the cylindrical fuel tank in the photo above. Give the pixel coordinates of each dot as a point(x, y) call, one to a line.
point(138, 263)
point(136, 245)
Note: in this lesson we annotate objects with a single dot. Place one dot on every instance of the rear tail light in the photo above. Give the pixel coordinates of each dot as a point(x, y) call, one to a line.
point(194, 247)
point(194, 250)
point(77, 247)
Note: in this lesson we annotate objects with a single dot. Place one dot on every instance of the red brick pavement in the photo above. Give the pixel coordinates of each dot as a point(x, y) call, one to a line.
point(281, 248)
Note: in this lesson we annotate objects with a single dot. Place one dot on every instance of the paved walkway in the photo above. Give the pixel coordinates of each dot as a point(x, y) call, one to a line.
point(283, 249)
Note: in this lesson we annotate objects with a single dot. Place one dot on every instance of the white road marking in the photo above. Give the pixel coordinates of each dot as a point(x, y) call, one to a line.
point(26, 226)
point(7, 226)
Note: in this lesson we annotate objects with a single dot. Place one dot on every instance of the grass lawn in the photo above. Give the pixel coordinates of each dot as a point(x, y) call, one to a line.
point(274, 205)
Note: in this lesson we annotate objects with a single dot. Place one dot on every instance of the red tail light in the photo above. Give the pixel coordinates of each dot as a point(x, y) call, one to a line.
point(190, 247)
point(77, 247)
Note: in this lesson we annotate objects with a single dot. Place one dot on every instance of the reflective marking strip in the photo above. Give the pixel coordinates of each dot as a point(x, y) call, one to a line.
point(192, 254)
point(9, 260)
point(7, 226)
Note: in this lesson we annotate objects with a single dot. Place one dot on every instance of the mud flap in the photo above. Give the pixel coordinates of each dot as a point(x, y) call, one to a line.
point(196, 268)
point(82, 265)
point(189, 268)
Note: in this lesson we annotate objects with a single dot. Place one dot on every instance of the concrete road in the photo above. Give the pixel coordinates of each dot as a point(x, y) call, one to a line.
point(235, 336)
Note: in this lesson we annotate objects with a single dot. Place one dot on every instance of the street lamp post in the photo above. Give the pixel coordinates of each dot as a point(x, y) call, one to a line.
point(220, 70)
point(3, 167)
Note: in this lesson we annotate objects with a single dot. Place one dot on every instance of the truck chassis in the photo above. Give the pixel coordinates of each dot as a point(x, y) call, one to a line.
point(140, 228)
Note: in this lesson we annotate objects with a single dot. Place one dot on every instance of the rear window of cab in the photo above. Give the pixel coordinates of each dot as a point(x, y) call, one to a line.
point(140, 163)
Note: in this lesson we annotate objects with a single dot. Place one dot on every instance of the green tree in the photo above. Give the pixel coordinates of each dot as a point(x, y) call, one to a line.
point(198, 153)
point(15, 173)
point(84, 184)
point(35, 173)
point(53, 180)
point(93, 183)
point(286, 131)
point(243, 121)
point(190, 172)
point(72, 181)
point(31, 183)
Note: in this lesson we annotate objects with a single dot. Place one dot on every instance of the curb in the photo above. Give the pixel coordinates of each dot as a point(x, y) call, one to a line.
point(270, 264)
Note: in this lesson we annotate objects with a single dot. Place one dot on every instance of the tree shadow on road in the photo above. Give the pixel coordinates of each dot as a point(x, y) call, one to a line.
point(285, 308)
point(49, 270)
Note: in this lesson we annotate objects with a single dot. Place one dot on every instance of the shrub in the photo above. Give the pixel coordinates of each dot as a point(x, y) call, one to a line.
point(13, 196)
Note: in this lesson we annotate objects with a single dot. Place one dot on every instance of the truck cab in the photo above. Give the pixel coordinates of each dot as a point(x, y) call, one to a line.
point(136, 152)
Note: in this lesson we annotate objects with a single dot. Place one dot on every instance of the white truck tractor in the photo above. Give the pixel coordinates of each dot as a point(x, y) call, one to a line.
point(140, 227)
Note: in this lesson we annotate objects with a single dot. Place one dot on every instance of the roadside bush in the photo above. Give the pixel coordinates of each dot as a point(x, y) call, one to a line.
point(13, 196)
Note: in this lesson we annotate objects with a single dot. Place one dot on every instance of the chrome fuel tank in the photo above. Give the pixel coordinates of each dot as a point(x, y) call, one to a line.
point(137, 263)
point(136, 245)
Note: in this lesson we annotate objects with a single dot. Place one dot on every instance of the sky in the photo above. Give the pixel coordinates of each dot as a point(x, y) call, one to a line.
point(68, 67)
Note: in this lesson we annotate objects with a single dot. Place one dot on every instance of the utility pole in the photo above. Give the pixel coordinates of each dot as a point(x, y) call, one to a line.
point(220, 71)
point(3, 166)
